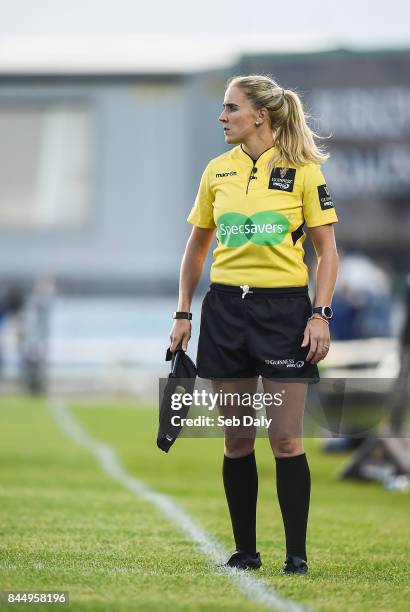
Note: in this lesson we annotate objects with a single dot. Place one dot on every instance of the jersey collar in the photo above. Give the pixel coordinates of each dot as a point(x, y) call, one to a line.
point(243, 154)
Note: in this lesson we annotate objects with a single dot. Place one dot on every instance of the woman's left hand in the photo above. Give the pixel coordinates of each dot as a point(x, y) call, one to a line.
point(318, 336)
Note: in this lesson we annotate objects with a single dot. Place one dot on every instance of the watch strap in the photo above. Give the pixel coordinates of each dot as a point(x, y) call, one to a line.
point(179, 314)
point(321, 310)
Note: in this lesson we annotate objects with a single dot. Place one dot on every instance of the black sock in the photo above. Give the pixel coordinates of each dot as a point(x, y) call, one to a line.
point(293, 487)
point(240, 478)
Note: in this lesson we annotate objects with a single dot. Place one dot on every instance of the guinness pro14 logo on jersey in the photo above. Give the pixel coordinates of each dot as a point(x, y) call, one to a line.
point(325, 198)
point(282, 179)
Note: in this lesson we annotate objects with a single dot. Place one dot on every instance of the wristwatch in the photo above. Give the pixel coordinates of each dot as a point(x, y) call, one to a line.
point(182, 315)
point(325, 311)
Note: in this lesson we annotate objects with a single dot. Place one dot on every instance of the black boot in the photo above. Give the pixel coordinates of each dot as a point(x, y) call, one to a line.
point(295, 565)
point(243, 560)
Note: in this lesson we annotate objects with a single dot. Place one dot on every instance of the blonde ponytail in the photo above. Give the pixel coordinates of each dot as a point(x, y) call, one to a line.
point(294, 139)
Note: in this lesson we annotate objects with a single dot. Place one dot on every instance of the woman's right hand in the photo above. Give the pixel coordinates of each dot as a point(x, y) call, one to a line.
point(181, 331)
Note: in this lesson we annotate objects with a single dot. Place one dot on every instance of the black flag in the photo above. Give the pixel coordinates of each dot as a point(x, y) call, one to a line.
point(180, 380)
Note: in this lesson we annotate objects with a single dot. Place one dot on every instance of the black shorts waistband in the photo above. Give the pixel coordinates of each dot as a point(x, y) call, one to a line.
point(245, 289)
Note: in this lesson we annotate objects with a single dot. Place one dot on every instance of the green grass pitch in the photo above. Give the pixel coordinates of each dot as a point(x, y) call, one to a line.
point(64, 525)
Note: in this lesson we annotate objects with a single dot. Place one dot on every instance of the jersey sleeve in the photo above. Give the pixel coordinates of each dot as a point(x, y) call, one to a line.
point(318, 206)
point(202, 213)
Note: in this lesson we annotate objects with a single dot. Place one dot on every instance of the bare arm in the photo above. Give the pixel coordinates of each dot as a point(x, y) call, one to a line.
point(324, 243)
point(317, 331)
point(192, 265)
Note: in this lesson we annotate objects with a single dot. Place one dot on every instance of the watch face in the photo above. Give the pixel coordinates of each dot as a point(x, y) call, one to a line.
point(328, 312)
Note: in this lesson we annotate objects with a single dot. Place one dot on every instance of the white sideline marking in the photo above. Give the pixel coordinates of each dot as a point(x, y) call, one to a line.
point(254, 588)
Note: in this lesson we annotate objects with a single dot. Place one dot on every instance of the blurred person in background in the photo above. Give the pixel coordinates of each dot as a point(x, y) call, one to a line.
point(2, 321)
point(257, 318)
point(11, 308)
point(362, 300)
point(36, 323)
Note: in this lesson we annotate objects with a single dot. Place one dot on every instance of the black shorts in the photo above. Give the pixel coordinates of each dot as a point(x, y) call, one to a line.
point(258, 334)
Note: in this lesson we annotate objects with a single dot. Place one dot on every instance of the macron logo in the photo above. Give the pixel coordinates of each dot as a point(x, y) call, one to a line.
point(224, 174)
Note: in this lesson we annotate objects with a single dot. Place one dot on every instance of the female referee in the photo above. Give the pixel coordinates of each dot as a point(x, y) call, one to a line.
point(257, 318)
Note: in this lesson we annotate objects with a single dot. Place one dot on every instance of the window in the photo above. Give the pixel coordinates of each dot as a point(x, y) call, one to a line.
point(45, 165)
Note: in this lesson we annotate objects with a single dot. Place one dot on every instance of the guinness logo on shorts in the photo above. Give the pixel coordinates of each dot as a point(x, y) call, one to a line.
point(325, 198)
point(282, 179)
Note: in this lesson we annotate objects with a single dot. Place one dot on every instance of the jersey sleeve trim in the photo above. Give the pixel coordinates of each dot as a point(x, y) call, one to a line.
point(323, 222)
point(192, 221)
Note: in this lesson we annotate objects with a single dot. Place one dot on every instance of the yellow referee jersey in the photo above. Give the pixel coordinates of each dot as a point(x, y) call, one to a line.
point(259, 216)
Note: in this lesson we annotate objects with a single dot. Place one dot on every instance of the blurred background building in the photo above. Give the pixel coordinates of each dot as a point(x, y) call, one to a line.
point(98, 171)
point(100, 160)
